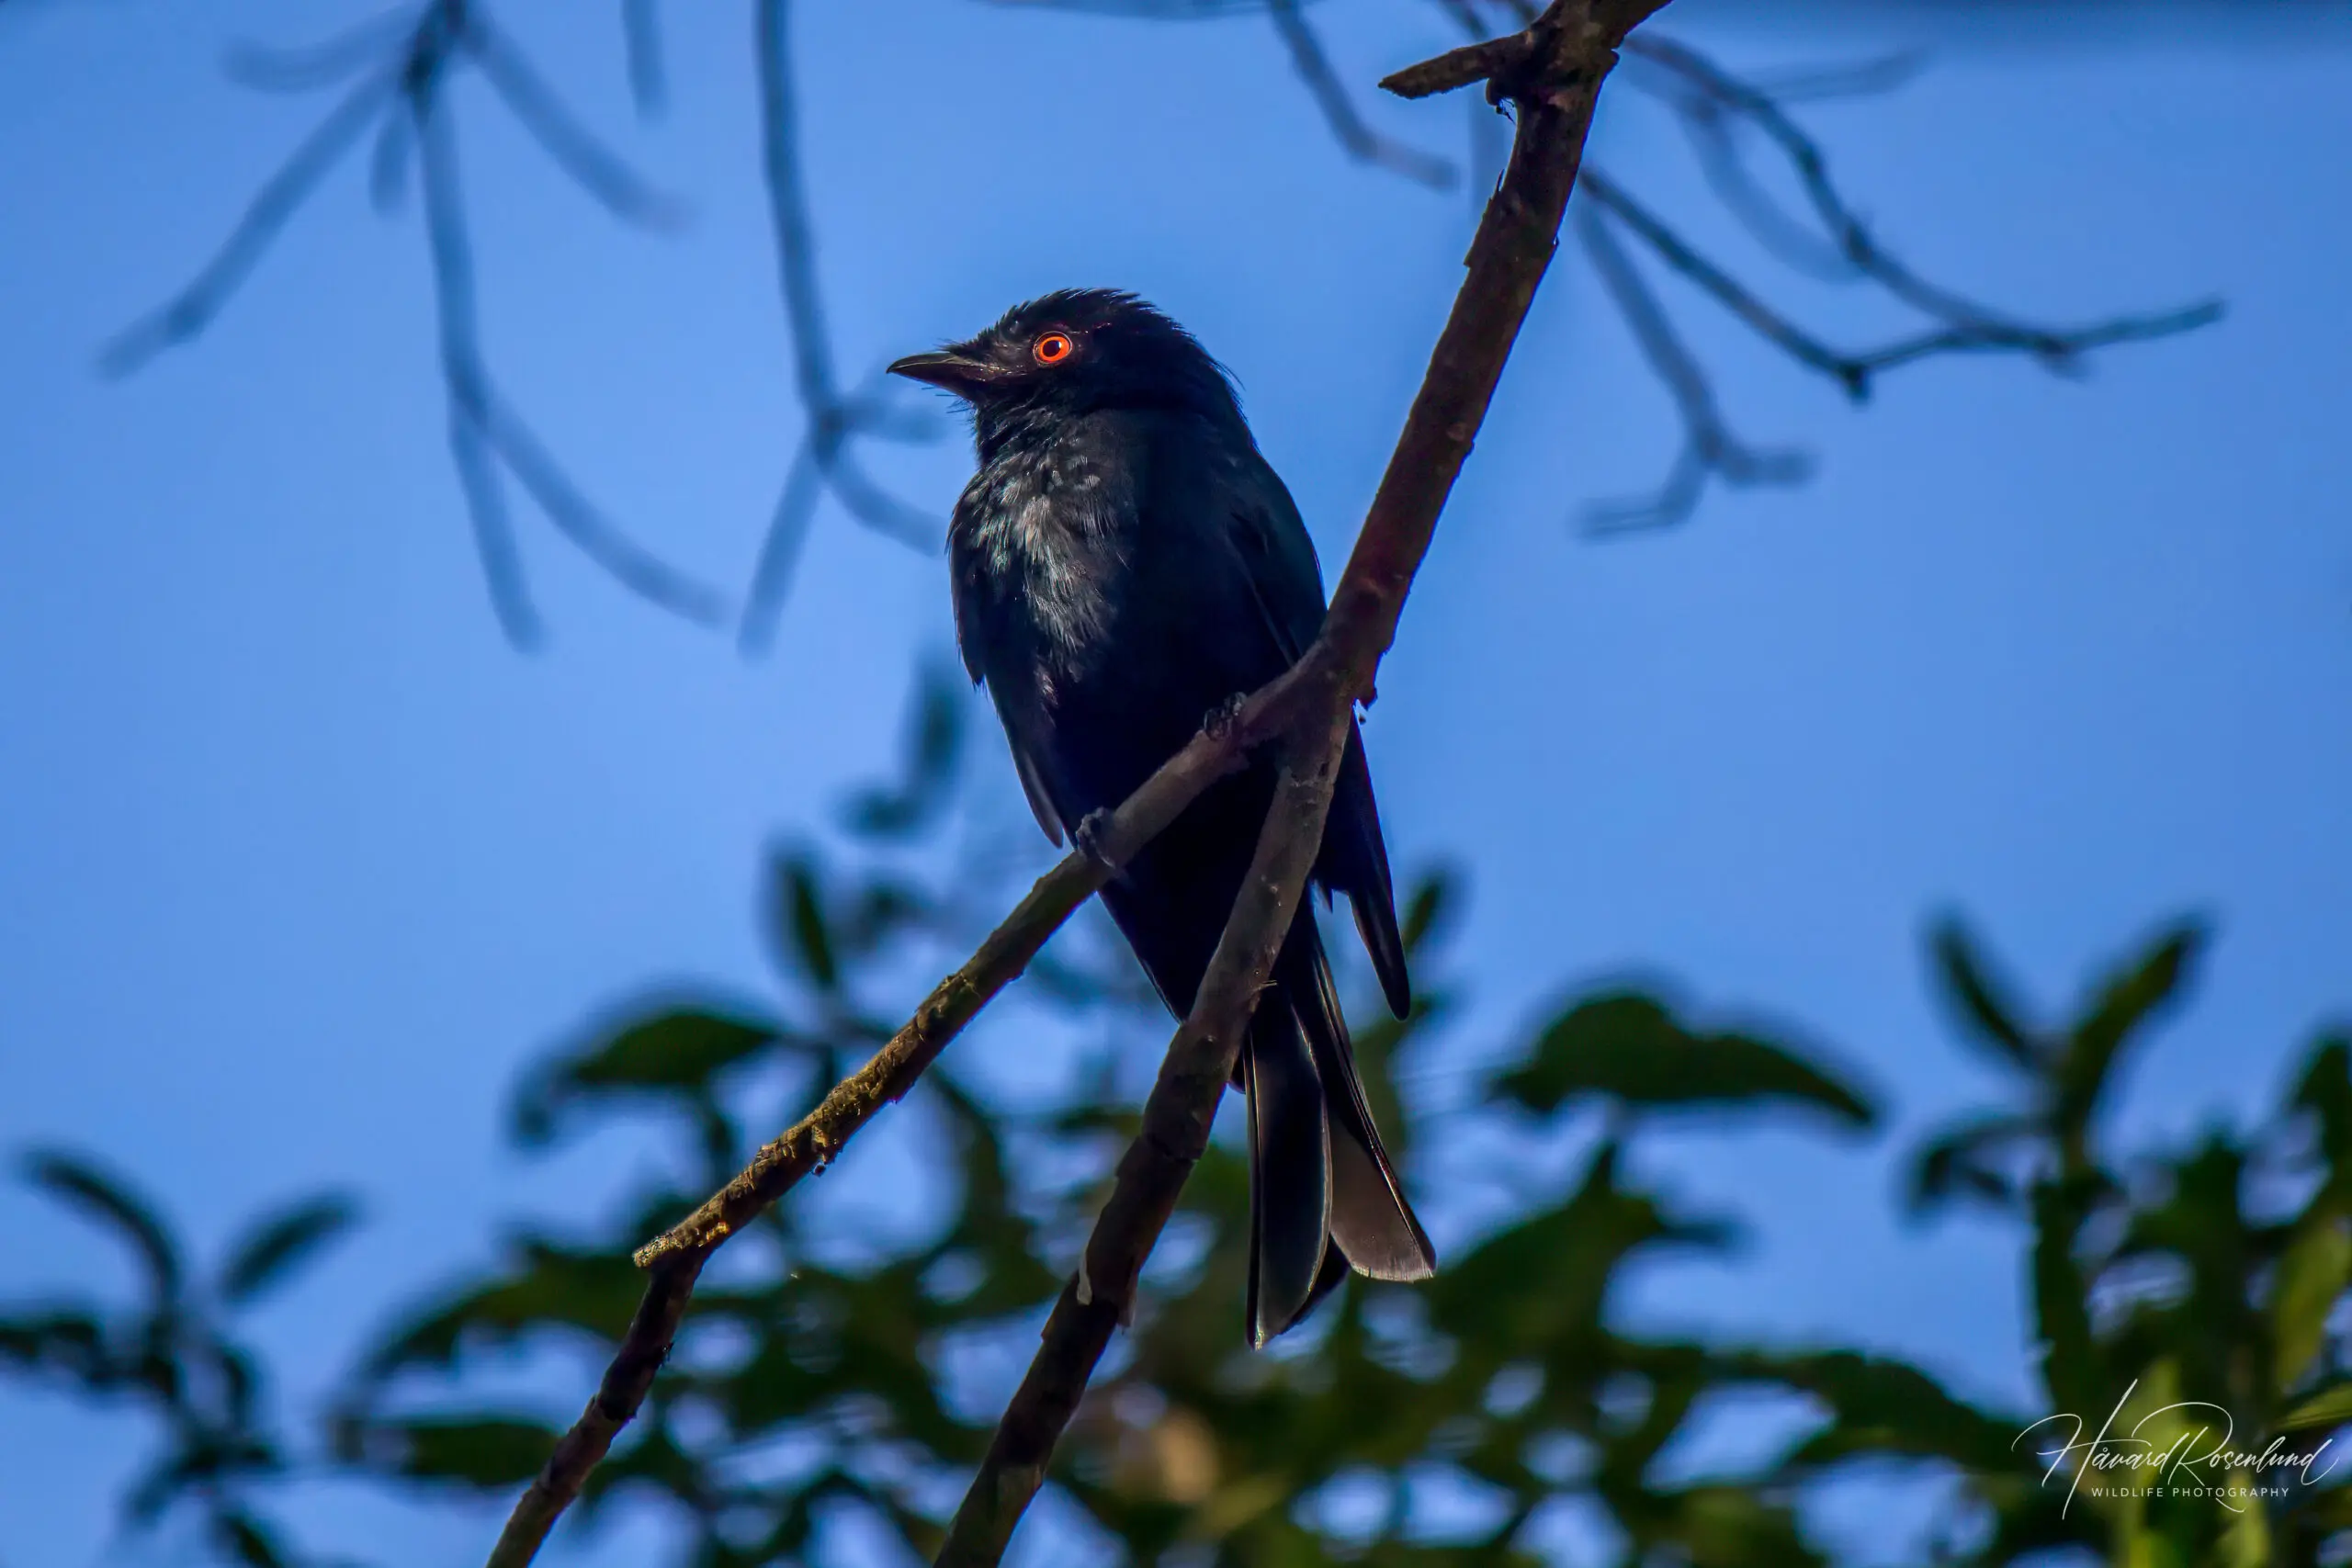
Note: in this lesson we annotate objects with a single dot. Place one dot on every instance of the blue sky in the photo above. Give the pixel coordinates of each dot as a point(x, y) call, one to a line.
point(302, 863)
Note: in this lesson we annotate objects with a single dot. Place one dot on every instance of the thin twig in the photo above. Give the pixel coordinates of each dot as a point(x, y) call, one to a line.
point(1851, 372)
point(462, 369)
point(1708, 444)
point(270, 68)
point(189, 312)
point(1553, 81)
point(595, 167)
point(415, 53)
point(483, 425)
point(834, 420)
point(1712, 103)
point(648, 80)
point(1348, 125)
point(1967, 323)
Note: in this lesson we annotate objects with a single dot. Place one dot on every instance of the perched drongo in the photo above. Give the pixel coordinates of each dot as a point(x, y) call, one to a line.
point(1125, 562)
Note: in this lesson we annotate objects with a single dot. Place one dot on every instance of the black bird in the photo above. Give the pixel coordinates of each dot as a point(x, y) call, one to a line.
point(1124, 561)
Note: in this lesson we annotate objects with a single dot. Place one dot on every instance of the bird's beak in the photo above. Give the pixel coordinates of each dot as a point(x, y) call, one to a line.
point(947, 369)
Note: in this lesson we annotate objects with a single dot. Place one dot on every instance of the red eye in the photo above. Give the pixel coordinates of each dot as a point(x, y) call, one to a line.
point(1053, 348)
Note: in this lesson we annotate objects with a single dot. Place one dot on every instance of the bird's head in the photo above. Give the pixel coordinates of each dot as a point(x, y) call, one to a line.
point(1073, 352)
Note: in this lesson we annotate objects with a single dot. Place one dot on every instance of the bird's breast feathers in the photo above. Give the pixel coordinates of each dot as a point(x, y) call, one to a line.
point(1041, 547)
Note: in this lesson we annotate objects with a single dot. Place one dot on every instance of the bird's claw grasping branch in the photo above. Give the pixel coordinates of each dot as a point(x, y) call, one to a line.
point(1088, 838)
point(1221, 718)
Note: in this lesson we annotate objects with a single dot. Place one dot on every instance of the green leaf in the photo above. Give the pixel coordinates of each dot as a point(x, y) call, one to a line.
point(2312, 1277)
point(2325, 1090)
point(277, 1243)
point(2061, 1312)
point(2129, 998)
point(84, 1186)
point(1428, 905)
point(244, 1538)
point(549, 1288)
point(470, 1450)
point(1964, 1159)
point(803, 941)
point(934, 745)
point(1626, 1047)
point(678, 1046)
point(1882, 1407)
point(1544, 1279)
point(1981, 1000)
point(2331, 1406)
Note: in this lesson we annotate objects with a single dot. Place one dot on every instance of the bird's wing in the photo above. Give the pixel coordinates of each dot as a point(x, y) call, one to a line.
point(1032, 785)
point(1277, 559)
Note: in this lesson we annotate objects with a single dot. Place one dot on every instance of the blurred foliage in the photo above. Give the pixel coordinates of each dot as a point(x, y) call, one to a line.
point(839, 1372)
point(172, 1353)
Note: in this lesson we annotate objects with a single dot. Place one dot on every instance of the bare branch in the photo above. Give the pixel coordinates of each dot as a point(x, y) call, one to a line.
point(598, 170)
point(388, 164)
point(270, 69)
point(795, 508)
point(1971, 325)
point(1864, 78)
point(1708, 445)
point(1855, 371)
point(1687, 259)
point(496, 429)
point(189, 312)
point(632, 565)
point(414, 63)
point(649, 82)
point(834, 420)
point(1363, 143)
point(462, 372)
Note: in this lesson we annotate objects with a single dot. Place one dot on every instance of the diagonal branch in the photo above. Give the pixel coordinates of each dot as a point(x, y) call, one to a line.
point(1552, 76)
point(675, 1259)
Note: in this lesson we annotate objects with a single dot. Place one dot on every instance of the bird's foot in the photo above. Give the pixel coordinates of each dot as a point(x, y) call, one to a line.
point(1219, 721)
point(1087, 836)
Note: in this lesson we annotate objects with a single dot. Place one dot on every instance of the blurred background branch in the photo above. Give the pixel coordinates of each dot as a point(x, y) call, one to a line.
point(405, 67)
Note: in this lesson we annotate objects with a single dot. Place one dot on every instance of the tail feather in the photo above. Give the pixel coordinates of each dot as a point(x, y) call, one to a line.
point(1370, 1220)
point(1290, 1171)
point(1323, 1196)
